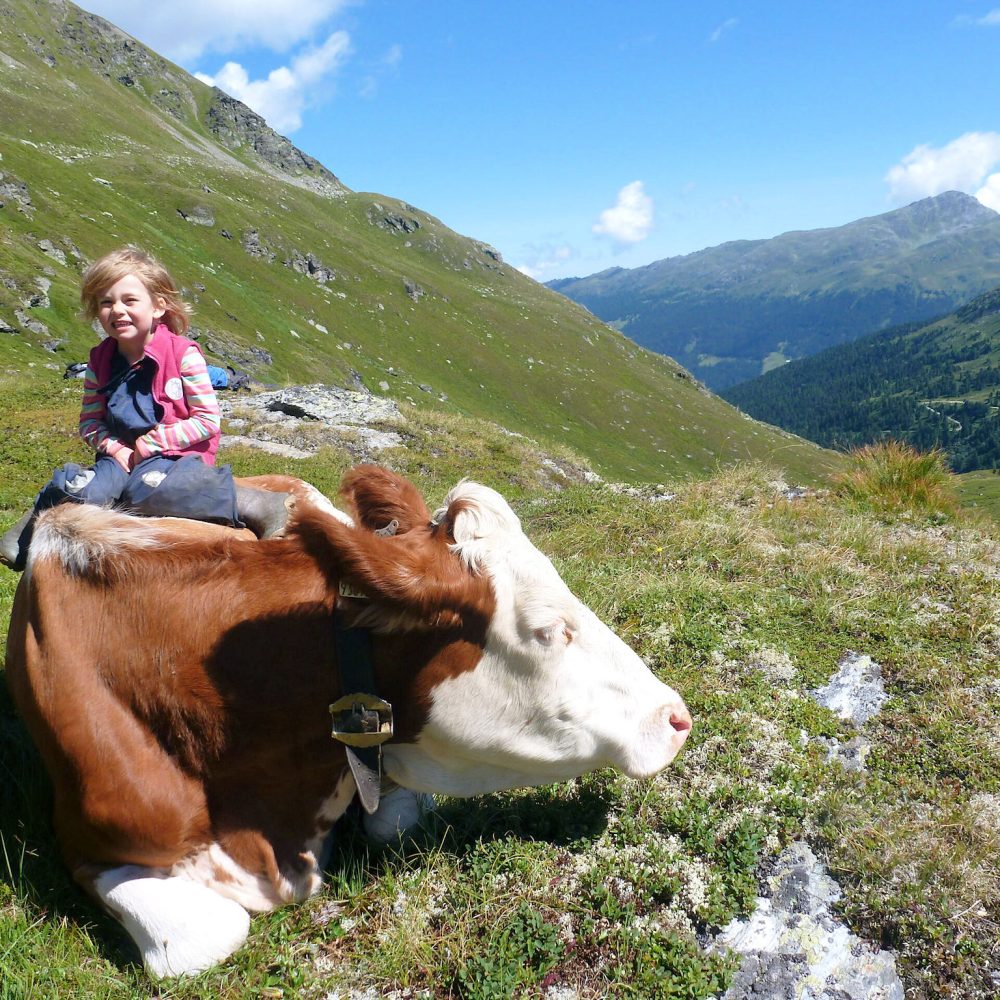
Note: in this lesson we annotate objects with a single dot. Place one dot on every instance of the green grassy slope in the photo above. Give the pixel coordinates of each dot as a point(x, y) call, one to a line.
point(732, 312)
point(934, 386)
point(104, 142)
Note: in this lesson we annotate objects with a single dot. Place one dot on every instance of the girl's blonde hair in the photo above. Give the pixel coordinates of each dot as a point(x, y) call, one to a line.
point(114, 266)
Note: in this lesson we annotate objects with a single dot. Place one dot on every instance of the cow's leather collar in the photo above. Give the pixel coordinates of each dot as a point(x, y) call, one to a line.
point(361, 720)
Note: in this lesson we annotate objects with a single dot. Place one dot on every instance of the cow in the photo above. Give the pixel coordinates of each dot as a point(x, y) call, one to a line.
point(177, 680)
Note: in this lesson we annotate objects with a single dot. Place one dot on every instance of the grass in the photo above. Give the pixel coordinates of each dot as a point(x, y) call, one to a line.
point(744, 601)
point(893, 476)
point(981, 491)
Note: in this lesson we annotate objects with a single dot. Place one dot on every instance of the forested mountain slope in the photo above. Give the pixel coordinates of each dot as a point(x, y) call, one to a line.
point(934, 385)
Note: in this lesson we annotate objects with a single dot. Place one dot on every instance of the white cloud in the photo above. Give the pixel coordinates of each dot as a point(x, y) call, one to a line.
point(964, 164)
point(989, 193)
point(730, 22)
point(988, 20)
point(183, 30)
point(546, 262)
point(631, 218)
point(386, 66)
point(285, 93)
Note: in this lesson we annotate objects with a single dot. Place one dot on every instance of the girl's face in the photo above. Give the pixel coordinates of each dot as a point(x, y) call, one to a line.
point(129, 314)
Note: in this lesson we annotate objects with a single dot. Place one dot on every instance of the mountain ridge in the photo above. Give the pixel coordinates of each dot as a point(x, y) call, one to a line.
point(732, 311)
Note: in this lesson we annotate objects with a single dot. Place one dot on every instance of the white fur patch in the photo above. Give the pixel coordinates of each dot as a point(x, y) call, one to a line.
point(318, 500)
point(180, 927)
point(81, 535)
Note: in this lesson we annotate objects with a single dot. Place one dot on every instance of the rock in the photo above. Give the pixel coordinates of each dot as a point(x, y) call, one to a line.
point(249, 356)
point(330, 405)
point(307, 264)
point(344, 414)
point(391, 221)
point(237, 127)
point(16, 191)
point(272, 447)
point(200, 215)
point(793, 946)
point(491, 252)
point(29, 324)
point(413, 290)
point(51, 250)
point(855, 693)
point(5, 327)
point(250, 241)
point(850, 755)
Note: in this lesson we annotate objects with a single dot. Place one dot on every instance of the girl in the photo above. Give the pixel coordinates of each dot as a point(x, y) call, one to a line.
point(149, 412)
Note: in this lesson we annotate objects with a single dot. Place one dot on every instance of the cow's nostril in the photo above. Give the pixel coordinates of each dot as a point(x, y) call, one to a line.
point(680, 720)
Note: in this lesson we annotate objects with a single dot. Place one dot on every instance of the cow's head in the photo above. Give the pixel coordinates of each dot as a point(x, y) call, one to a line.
point(534, 688)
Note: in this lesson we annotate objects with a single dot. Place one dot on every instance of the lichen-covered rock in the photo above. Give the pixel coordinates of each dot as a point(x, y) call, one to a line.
point(855, 691)
point(795, 948)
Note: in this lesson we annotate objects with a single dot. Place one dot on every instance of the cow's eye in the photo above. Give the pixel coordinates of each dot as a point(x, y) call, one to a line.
point(557, 632)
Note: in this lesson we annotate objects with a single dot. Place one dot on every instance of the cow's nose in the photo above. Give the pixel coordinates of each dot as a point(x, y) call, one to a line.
point(680, 721)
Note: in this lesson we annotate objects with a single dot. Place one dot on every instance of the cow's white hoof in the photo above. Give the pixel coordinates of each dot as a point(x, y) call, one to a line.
point(399, 810)
point(181, 928)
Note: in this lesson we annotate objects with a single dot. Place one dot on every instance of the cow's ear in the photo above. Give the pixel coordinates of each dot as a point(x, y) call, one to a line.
point(473, 513)
point(380, 497)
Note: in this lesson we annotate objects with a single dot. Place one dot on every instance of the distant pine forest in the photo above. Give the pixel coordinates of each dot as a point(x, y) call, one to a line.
point(932, 386)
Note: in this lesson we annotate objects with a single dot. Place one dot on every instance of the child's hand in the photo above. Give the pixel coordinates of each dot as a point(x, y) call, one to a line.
point(124, 457)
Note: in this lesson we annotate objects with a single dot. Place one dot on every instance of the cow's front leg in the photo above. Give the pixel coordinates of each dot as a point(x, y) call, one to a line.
point(180, 927)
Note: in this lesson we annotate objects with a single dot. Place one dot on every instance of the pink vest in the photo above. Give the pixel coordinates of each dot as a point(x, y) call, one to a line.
point(166, 348)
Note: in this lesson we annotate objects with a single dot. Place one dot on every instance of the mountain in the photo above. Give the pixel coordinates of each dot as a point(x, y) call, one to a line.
point(931, 385)
point(735, 311)
point(297, 278)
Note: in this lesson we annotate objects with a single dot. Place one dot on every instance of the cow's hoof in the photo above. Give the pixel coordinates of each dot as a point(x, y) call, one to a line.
point(399, 810)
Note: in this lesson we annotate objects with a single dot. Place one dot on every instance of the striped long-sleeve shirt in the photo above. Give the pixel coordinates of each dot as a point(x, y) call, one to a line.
point(203, 421)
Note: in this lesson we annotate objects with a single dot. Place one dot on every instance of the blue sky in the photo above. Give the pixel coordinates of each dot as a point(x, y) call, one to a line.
point(575, 136)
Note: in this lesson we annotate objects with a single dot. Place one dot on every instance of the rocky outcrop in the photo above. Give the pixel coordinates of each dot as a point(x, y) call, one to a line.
point(238, 127)
point(855, 692)
point(310, 266)
point(250, 241)
point(14, 193)
point(240, 355)
point(200, 215)
point(392, 222)
point(296, 422)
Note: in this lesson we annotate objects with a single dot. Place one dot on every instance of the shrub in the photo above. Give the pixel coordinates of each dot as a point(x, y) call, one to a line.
point(893, 476)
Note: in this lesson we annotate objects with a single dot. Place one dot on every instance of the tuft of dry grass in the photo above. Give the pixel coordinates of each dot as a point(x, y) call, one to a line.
point(893, 476)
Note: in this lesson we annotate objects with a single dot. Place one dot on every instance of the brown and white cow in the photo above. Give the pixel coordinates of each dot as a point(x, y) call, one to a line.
point(177, 679)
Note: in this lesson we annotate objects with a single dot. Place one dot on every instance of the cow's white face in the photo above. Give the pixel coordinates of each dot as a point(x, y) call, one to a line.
point(556, 692)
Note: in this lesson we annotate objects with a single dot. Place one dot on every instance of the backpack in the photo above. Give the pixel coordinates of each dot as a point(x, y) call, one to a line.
point(219, 377)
